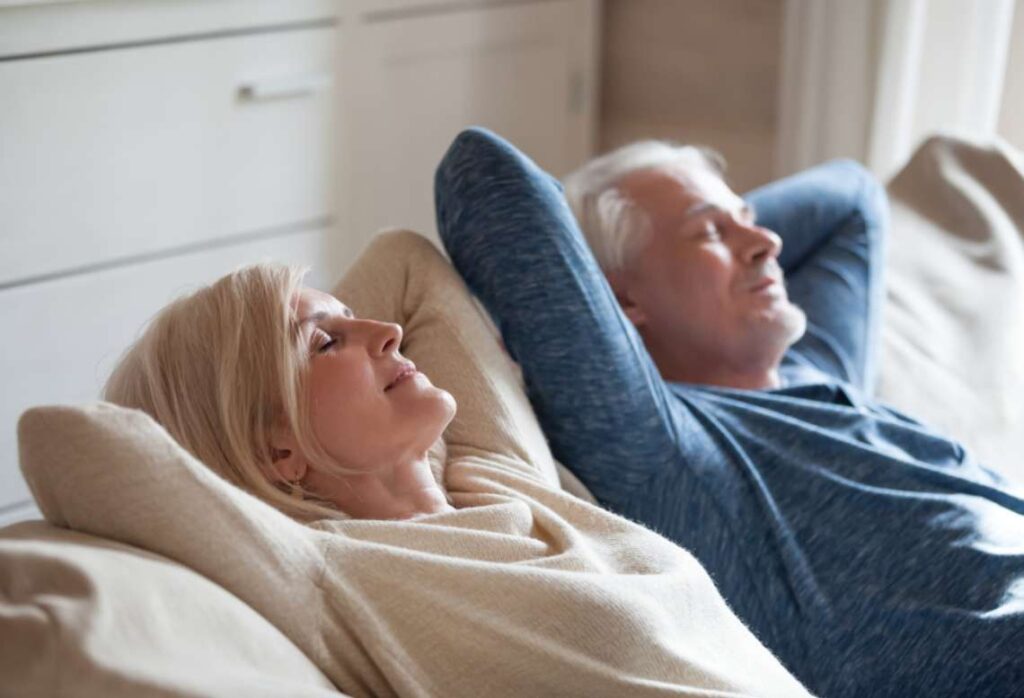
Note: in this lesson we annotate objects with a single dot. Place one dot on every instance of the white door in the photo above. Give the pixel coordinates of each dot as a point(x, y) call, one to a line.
point(417, 78)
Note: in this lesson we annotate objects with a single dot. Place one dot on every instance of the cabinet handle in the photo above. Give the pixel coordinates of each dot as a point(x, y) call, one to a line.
point(283, 88)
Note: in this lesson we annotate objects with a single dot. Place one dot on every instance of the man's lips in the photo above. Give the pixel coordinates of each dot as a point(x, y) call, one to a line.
point(762, 284)
point(406, 370)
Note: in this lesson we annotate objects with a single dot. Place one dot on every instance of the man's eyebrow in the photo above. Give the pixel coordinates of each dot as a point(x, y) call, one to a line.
point(705, 206)
point(699, 208)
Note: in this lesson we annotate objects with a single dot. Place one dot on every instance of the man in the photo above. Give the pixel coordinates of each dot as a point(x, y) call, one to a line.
point(872, 556)
point(700, 277)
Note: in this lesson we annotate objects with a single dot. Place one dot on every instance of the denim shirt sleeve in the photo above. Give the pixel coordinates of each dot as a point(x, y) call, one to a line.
point(833, 220)
point(505, 223)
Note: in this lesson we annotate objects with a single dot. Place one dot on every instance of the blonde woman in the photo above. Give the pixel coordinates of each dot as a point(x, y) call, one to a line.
point(454, 567)
point(260, 379)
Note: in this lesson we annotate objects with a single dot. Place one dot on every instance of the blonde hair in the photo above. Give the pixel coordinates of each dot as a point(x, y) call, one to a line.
point(613, 226)
point(219, 368)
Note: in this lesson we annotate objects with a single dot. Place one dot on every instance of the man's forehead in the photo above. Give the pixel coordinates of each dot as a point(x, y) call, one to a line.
point(669, 187)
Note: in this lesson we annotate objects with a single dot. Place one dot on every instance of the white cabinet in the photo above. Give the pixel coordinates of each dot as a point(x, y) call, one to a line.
point(416, 78)
point(146, 147)
point(117, 153)
point(62, 337)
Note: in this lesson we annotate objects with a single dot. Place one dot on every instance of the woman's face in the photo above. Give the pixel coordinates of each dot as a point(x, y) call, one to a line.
point(370, 408)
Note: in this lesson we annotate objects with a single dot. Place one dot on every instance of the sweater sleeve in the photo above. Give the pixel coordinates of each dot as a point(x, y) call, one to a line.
point(115, 473)
point(401, 277)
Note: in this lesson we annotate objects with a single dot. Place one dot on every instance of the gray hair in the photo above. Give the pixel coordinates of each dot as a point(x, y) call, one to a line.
point(612, 224)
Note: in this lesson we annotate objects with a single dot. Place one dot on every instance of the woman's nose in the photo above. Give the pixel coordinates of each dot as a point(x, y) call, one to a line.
point(386, 339)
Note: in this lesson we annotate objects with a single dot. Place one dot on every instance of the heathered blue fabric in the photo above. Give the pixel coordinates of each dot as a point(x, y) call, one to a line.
point(872, 555)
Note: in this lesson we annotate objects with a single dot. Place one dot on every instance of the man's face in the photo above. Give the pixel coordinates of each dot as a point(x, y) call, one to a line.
point(706, 286)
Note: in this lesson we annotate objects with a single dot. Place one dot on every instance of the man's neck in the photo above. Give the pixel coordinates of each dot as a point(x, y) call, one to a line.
point(716, 371)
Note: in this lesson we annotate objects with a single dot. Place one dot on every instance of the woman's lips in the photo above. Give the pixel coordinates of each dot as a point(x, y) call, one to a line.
point(407, 370)
point(762, 285)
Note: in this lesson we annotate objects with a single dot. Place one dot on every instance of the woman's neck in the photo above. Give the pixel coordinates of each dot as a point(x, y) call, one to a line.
point(406, 490)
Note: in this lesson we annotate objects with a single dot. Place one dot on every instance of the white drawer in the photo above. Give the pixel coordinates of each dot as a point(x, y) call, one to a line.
point(62, 338)
point(43, 26)
point(110, 154)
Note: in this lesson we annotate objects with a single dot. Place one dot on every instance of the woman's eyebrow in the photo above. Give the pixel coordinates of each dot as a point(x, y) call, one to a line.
point(315, 317)
point(324, 315)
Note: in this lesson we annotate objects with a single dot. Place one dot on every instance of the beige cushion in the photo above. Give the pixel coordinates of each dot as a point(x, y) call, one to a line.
point(953, 337)
point(85, 616)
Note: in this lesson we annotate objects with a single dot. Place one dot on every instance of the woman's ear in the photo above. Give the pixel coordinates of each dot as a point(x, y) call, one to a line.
point(288, 463)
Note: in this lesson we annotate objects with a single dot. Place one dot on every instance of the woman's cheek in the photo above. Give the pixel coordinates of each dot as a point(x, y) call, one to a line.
point(325, 409)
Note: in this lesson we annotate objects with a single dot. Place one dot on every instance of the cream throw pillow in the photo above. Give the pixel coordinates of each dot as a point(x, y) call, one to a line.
point(84, 616)
point(953, 331)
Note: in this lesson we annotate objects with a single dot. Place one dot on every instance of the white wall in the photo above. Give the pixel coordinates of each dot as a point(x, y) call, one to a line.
point(1011, 113)
point(870, 80)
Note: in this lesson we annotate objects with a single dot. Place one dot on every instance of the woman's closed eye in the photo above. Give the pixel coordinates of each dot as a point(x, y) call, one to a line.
point(326, 341)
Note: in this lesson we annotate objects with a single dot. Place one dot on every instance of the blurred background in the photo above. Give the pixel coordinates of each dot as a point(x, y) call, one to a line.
point(703, 71)
point(778, 85)
point(148, 146)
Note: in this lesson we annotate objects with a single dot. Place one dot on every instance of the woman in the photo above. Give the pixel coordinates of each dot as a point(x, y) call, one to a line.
point(278, 420)
point(483, 579)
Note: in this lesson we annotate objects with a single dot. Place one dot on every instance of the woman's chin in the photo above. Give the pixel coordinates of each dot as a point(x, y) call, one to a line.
point(447, 408)
point(433, 412)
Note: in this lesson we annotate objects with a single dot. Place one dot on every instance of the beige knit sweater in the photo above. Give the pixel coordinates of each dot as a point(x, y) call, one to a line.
point(524, 590)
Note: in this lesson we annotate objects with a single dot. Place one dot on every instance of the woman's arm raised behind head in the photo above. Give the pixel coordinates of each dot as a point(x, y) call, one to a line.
point(401, 277)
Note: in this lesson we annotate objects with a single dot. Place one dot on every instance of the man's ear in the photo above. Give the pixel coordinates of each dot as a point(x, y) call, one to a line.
point(288, 463)
point(632, 311)
point(622, 288)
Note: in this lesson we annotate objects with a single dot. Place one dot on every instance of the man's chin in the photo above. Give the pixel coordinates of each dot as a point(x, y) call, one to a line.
point(794, 320)
point(781, 326)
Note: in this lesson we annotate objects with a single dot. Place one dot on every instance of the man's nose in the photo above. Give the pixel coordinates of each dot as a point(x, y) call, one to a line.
point(760, 244)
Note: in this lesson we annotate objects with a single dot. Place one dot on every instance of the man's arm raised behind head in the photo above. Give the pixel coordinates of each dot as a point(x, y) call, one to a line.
point(599, 396)
point(832, 220)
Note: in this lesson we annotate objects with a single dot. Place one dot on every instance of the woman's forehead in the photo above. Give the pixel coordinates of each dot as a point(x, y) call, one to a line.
point(312, 305)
